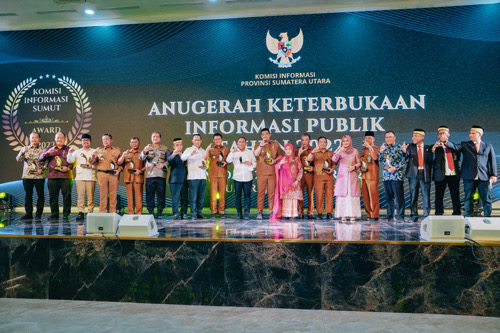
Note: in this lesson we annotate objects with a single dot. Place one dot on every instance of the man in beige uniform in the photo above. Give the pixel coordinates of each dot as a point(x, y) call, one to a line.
point(267, 153)
point(216, 155)
point(323, 178)
point(133, 176)
point(308, 177)
point(108, 173)
point(370, 177)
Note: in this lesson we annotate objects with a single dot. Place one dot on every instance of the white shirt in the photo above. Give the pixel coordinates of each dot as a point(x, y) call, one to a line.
point(242, 172)
point(194, 162)
point(83, 173)
point(447, 171)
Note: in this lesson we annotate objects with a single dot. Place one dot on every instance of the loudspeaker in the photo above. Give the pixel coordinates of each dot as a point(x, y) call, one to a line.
point(443, 229)
point(482, 228)
point(102, 224)
point(138, 226)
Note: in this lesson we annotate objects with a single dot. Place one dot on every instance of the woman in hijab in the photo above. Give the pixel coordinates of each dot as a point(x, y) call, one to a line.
point(288, 190)
point(347, 191)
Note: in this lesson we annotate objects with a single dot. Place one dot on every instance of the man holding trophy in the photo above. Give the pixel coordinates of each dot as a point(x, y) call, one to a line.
point(267, 152)
point(244, 163)
point(85, 177)
point(323, 177)
point(155, 155)
point(32, 176)
point(133, 169)
point(216, 155)
point(195, 157)
point(370, 176)
point(394, 168)
point(59, 175)
point(307, 177)
point(108, 173)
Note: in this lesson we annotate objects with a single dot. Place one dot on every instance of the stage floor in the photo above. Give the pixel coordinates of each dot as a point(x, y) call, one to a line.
point(232, 229)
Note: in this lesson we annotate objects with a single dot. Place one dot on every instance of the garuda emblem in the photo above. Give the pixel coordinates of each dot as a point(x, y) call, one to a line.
point(284, 48)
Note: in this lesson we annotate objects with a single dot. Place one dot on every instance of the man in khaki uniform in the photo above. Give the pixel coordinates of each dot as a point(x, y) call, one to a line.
point(133, 176)
point(108, 172)
point(308, 177)
point(267, 153)
point(216, 155)
point(323, 178)
point(370, 176)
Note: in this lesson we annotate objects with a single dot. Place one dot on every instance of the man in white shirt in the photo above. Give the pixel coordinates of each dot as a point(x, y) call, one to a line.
point(195, 157)
point(85, 177)
point(244, 163)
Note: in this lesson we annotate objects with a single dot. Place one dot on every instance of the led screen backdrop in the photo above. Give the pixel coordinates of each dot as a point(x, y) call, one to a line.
point(326, 74)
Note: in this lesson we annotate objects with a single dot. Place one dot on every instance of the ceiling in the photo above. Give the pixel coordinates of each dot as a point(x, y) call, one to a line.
point(49, 14)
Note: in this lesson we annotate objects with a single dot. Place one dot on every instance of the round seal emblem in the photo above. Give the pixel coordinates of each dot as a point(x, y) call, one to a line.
point(46, 105)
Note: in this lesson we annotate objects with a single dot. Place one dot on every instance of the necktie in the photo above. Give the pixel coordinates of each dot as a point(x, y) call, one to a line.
point(449, 159)
point(477, 146)
point(420, 157)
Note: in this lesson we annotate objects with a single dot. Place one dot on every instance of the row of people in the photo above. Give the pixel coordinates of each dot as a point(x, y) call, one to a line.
point(287, 178)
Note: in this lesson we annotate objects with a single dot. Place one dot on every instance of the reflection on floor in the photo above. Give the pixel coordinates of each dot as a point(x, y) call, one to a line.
point(232, 228)
point(28, 315)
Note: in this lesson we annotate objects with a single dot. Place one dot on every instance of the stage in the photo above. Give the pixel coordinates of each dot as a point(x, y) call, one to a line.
point(326, 265)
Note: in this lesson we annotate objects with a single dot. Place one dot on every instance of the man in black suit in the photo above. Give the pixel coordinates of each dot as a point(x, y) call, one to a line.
point(446, 171)
point(479, 169)
point(178, 175)
point(418, 172)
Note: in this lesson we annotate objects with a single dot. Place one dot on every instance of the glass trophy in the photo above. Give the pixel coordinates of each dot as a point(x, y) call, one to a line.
point(369, 159)
point(241, 159)
point(220, 162)
point(307, 165)
point(58, 164)
point(327, 166)
point(387, 162)
point(268, 157)
point(364, 167)
point(203, 165)
point(86, 164)
point(131, 166)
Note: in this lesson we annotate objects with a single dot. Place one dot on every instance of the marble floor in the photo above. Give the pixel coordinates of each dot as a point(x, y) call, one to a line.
point(29, 315)
point(231, 228)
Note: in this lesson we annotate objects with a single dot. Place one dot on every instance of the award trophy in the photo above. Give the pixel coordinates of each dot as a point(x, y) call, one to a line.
point(327, 166)
point(58, 164)
point(387, 162)
point(220, 162)
point(369, 158)
point(307, 166)
point(112, 166)
point(268, 155)
point(363, 168)
point(131, 166)
point(203, 165)
point(35, 168)
point(241, 159)
point(86, 164)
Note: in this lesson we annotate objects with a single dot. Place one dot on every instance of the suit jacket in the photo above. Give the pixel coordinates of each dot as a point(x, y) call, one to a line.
point(439, 163)
point(482, 163)
point(178, 172)
point(412, 166)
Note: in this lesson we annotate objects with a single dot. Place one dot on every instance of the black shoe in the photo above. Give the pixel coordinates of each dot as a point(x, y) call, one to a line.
point(320, 216)
point(193, 217)
point(246, 217)
point(414, 219)
point(213, 216)
point(311, 217)
point(66, 217)
point(221, 216)
point(80, 217)
point(238, 216)
point(54, 217)
point(184, 217)
point(176, 217)
point(299, 217)
point(200, 216)
point(329, 216)
point(156, 216)
point(259, 216)
point(27, 217)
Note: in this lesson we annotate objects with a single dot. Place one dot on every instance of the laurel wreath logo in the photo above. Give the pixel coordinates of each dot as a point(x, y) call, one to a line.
point(10, 120)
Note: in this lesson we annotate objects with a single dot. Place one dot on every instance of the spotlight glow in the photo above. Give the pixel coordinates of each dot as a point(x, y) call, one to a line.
point(3, 195)
point(89, 11)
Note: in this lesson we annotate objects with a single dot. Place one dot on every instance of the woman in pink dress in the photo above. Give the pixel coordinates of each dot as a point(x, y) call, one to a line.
point(347, 190)
point(288, 190)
